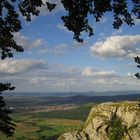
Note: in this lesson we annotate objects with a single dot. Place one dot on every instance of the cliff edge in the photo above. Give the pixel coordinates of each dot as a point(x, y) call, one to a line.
point(110, 121)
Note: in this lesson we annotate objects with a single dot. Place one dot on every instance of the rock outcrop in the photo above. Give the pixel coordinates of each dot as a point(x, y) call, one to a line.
point(109, 120)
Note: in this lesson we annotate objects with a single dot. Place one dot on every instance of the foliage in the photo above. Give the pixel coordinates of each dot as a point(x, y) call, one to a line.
point(6, 126)
point(9, 23)
point(137, 60)
point(76, 18)
point(116, 129)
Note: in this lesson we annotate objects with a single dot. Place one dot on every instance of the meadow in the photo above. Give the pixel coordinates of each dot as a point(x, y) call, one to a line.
point(48, 125)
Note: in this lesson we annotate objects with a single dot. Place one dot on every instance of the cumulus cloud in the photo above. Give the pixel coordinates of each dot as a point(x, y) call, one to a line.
point(131, 76)
point(88, 72)
point(13, 67)
point(33, 75)
point(26, 43)
point(117, 46)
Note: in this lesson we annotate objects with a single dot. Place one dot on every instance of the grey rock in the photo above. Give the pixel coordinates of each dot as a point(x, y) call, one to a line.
point(95, 127)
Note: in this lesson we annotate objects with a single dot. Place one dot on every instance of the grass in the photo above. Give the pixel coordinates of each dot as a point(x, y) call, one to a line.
point(48, 125)
point(79, 113)
point(41, 128)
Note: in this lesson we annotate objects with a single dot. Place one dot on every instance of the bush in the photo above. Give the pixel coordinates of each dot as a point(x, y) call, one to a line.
point(116, 130)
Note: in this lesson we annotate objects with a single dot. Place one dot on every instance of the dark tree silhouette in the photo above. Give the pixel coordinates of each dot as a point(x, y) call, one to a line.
point(6, 125)
point(137, 60)
point(76, 19)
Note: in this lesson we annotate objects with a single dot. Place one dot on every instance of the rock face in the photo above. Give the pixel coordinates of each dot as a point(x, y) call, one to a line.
point(102, 120)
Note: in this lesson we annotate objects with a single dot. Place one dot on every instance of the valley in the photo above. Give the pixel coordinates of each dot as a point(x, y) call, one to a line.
point(47, 117)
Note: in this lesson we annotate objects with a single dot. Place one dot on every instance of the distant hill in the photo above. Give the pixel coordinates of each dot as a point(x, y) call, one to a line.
point(26, 101)
point(64, 94)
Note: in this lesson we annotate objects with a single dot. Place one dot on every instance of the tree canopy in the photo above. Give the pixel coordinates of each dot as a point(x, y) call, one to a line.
point(137, 60)
point(6, 125)
point(76, 18)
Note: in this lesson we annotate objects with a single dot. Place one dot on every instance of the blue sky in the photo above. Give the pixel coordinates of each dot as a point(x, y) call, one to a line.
point(54, 62)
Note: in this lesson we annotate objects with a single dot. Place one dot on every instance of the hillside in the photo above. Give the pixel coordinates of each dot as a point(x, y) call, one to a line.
point(20, 102)
point(110, 121)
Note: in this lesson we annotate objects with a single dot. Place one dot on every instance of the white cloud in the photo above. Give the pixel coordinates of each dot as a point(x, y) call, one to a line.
point(104, 19)
point(117, 31)
point(33, 75)
point(79, 44)
point(44, 11)
point(88, 72)
point(37, 80)
point(99, 81)
point(13, 67)
point(62, 27)
point(108, 82)
point(26, 43)
point(117, 46)
point(136, 20)
point(57, 50)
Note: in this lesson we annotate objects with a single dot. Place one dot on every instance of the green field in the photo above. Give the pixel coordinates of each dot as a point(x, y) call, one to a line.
point(79, 113)
point(48, 125)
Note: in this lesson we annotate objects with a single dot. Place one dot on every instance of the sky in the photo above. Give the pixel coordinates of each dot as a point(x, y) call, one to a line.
point(53, 62)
